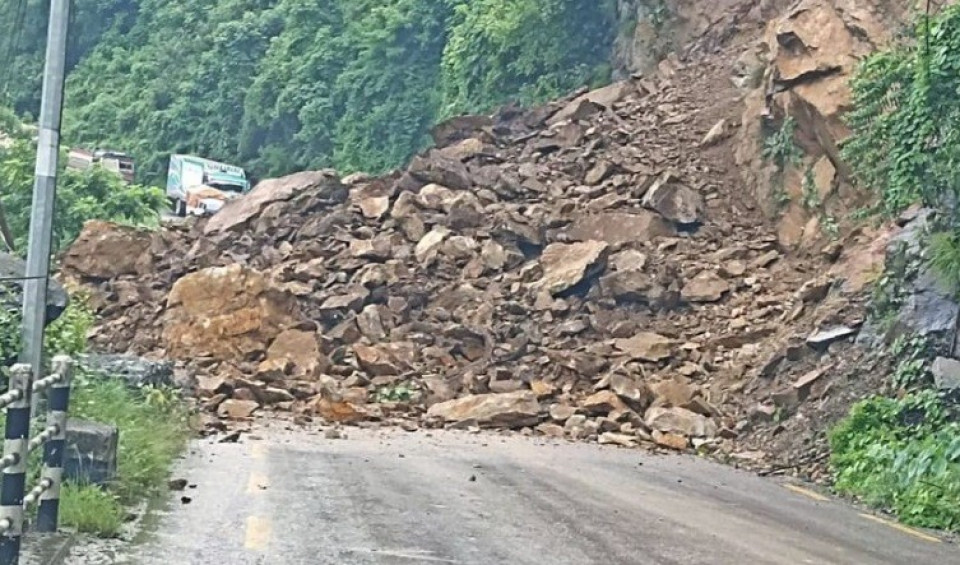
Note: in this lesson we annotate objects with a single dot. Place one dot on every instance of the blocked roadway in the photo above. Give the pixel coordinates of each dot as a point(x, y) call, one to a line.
point(393, 497)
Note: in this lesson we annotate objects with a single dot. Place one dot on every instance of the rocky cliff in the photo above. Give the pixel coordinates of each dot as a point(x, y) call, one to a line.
point(793, 64)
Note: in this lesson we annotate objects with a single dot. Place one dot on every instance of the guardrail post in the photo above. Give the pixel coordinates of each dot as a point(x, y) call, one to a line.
point(58, 400)
point(14, 476)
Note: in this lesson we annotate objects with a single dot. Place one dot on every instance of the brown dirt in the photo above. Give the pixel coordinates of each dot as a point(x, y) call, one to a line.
point(430, 278)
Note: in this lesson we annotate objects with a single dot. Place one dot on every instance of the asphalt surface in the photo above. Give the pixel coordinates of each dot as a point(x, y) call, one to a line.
point(409, 498)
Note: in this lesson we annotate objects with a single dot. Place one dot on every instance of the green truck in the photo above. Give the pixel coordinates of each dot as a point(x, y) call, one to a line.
point(201, 187)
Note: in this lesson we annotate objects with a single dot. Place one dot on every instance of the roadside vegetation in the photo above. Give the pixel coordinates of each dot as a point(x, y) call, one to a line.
point(285, 85)
point(154, 425)
point(900, 450)
point(904, 143)
point(81, 195)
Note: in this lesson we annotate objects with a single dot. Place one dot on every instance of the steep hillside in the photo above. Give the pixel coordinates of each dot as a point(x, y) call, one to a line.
point(673, 260)
point(589, 268)
point(279, 85)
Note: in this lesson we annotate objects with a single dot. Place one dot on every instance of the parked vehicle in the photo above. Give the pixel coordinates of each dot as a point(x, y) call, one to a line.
point(116, 162)
point(201, 187)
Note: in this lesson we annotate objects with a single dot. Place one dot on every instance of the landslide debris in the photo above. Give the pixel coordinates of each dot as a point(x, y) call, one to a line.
point(589, 269)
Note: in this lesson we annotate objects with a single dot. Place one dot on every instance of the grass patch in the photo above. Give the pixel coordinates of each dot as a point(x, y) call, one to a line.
point(902, 454)
point(909, 469)
point(154, 427)
point(90, 509)
point(153, 422)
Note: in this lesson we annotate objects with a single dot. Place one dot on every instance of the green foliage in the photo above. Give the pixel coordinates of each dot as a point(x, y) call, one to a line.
point(810, 199)
point(903, 454)
point(283, 85)
point(501, 49)
point(153, 422)
point(659, 13)
point(154, 425)
point(23, 38)
point(828, 225)
point(905, 144)
point(913, 354)
point(9, 327)
point(66, 335)
point(779, 147)
point(91, 510)
point(175, 82)
point(81, 195)
point(399, 393)
point(811, 196)
point(388, 88)
point(944, 253)
point(889, 291)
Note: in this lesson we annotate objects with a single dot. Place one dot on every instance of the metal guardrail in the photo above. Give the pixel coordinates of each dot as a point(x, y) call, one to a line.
point(17, 446)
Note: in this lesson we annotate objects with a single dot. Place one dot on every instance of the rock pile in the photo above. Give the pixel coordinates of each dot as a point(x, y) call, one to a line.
point(587, 269)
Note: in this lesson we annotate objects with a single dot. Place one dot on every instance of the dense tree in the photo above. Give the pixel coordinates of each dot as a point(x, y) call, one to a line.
point(81, 195)
point(388, 89)
point(23, 29)
point(280, 85)
point(174, 83)
point(500, 49)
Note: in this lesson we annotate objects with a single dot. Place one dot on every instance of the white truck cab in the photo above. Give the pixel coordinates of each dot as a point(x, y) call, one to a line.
point(201, 187)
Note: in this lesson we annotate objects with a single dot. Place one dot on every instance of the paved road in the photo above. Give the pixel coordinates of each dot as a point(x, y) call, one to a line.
point(398, 498)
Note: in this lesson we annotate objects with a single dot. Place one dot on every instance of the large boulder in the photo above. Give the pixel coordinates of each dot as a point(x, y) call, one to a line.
point(227, 313)
point(680, 421)
point(301, 350)
point(385, 360)
point(433, 168)
point(811, 51)
point(508, 410)
point(105, 250)
point(135, 371)
point(705, 287)
point(604, 97)
point(617, 228)
point(814, 50)
point(567, 265)
point(646, 346)
point(946, 374)
point(91, 452)
point(927, 307)
point(674, 201)
point(458, 129)
point(12, 270)
point(239, 212)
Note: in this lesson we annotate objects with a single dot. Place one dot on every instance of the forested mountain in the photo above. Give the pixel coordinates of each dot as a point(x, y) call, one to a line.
point(280, 85)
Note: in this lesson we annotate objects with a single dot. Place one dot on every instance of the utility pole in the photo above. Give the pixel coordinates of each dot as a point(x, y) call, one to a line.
point(37, 276)
point(44, 189)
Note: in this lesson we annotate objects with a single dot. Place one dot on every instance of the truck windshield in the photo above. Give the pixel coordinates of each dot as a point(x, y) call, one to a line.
point(227, 187)
point(226, 182)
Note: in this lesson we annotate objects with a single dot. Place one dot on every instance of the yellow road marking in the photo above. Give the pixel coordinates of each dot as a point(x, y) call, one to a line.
point(258, 450)
point(258, 534)
point(257, 483)
point(415, 554)
point(807, 493)
point(902, 528)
